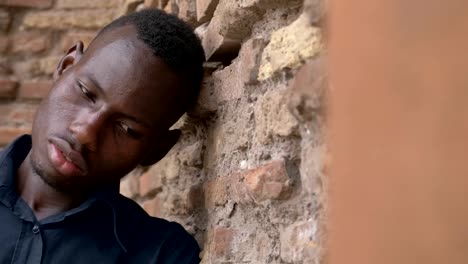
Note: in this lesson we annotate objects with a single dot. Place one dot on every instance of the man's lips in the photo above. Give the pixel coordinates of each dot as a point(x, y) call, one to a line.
point(65, 158)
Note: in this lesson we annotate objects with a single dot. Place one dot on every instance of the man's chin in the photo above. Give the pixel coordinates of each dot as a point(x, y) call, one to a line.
point(58, 182)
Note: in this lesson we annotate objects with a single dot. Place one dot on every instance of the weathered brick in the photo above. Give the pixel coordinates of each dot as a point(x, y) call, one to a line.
point(215, 192)
point(88, 19)
point(230, 81)
point(289, 47)
point(4, 42)
point(315, 9)
point(205, 9)
point(5, 20)
point(70, 4)
point(219, 48)
point(26, 69)
point(129, 186)
point(9, 133)
point(5, 68)
point(194, 198)
point(28, 3)
point(72, 38)
point(188, 11)
point(273, 116)
point(48, 65)
point(311, 81)
point(34, 89)
point(220, 244)
point(171, 7)
point(154, 206)
point(299, 243)
point(155, 4)
point(150, 183)
point(29, 42)
point(7, 88)
point(19, 113)
point(129, 6)
point(268, 182)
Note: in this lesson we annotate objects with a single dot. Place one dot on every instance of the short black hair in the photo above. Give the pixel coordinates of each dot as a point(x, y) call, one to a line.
point(173, 41)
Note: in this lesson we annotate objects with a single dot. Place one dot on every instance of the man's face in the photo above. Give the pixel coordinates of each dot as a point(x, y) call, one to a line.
point(108, 111)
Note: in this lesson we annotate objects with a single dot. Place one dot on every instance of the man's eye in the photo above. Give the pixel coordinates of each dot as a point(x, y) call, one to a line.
point(86, 92)
point(128, 130)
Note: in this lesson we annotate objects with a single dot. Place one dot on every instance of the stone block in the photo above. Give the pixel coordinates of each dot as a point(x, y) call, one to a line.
point(298, 242)
point(268, 182)
point(28, 3)
point(8, 88)
point(273, 116)
point(5, 20)
point(87, 4)
point(72, 38)
point(205, 9)
point(289, 47)
point(29, 42)
point(34, 89)
point(86, 19)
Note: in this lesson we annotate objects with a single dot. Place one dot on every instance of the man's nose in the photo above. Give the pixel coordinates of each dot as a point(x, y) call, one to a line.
point(86, 128)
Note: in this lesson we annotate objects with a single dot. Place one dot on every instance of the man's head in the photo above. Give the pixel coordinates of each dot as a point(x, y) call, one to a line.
point(111, 107)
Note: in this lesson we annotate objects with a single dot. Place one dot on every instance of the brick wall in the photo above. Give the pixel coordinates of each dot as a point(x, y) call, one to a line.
point(247, 177)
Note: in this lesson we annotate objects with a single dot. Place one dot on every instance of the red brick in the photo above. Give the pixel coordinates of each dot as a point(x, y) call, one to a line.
point(216, 192)
point(269, 181)
point(28, 3)
point(8, 88)
point(150, 183)
point(72, 38)
point(9, 133)
point(29, 42)
point(36, 89)
point(153, 207)
point(222, 242)
point(205, 9)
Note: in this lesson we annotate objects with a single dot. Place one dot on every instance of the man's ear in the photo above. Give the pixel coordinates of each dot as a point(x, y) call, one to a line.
point(165, 143)
point(72, 56)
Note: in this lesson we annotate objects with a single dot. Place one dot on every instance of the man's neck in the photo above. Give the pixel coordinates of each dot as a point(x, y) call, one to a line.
point(42, 198)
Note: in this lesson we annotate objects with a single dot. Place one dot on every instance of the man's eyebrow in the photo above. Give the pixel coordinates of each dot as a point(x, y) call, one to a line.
point(134, 119)
point(95, 83)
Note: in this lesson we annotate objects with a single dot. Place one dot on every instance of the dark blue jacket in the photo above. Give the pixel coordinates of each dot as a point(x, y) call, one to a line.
point(107, 228)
